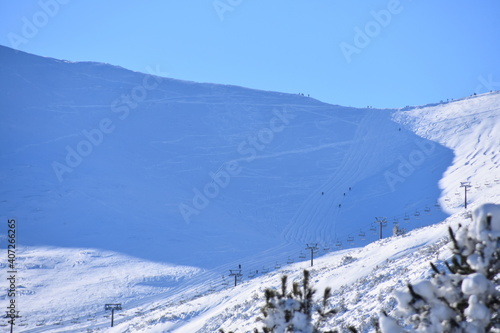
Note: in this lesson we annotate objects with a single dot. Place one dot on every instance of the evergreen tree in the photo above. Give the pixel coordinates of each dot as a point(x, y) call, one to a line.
point(292, 311)
point(466, 296)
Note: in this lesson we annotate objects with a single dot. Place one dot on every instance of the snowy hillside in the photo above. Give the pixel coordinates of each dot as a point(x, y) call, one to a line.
point(137, 189)
point(470, 128)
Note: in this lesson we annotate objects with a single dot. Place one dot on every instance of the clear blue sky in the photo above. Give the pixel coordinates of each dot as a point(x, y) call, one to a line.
point(408, 52)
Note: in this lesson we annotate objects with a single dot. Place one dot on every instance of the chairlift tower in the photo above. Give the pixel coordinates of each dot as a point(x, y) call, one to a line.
point(313, 247)
point(382, 221)
point(465, 185)
point(112, 307)
point(236, 273)
point(12, 320)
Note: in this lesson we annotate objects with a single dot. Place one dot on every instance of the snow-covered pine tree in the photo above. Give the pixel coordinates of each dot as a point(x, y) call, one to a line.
point(466, 297)
point(292, 311)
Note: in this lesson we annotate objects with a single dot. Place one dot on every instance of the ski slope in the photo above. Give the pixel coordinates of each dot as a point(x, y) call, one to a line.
point(470, 128)
point(275, 172)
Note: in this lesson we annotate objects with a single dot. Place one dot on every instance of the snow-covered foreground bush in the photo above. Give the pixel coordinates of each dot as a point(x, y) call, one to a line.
point(292, 311)
point(464, 295)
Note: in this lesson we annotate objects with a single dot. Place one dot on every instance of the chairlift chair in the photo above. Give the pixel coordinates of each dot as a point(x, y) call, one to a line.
point(224, 281)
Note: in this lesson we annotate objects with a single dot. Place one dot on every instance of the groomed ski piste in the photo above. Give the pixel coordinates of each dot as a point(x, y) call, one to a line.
point(189, 181)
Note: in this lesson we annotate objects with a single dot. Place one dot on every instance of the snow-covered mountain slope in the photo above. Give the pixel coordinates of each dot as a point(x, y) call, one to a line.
point(470, 127)
point(362, 280)
point(137, 189)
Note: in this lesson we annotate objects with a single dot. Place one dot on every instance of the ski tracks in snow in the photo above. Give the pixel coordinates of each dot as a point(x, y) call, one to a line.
point(317, 218)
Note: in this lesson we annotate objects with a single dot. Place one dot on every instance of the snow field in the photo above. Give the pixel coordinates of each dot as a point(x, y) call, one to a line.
point(112, 231)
